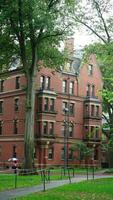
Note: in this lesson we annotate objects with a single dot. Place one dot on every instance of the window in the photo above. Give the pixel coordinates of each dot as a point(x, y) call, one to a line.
point(42, 82)
point(15, 126)
point(92, 110)
point(62, 153)
point(1, 85)
point(63, 129)
point(88, 90)
point(71, 130)
point(71, 87)
point(93, 91)
point(92, 131)
point(51, 128)
point(46, 104)
point(64, 106)
point(70, 154)
point(14, 151)
point(86, 110)
point(1, 127)
point(71, 108)
point(97, 111)
point(97, 133)
point(64, 86)
point(16, 105)
point(90, 69)
point(52, 102)
point(17, 82)
point(47, 83)
point(1, 106)
point(50, 153)
point(45, 128)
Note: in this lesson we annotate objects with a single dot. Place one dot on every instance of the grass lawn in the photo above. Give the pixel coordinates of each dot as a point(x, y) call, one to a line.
point(8, 181)
point(100, 189)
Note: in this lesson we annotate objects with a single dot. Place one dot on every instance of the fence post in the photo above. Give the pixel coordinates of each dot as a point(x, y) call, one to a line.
point(69, 175)
point(44, 181)
point(15, 172)
point(87, 172)
point(93, 173)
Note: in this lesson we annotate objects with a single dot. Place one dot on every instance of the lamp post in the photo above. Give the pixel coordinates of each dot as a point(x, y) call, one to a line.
point(66, 110)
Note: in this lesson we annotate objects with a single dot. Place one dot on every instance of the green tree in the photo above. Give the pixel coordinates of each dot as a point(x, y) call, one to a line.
point(96, 17)
point(108, 149)
point(32, 30)
point(82, 150)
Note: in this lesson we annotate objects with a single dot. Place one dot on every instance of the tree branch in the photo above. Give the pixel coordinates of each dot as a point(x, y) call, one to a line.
point(91, 29)
point(21, 36)
point(32, 36)
point(102, 18)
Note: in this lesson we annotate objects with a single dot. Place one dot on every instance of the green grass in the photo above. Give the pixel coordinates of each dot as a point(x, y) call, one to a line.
point(8, 181)
point(100, 189)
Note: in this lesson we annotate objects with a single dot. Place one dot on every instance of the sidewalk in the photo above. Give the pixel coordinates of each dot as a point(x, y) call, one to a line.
point(10, 194)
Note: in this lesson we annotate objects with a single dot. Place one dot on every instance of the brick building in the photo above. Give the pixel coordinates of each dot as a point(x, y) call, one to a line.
point(67, 103)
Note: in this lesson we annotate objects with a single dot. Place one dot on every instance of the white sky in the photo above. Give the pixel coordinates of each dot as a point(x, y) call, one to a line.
point(82, 38)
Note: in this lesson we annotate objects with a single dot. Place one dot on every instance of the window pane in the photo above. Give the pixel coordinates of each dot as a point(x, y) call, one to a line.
point(93, 91)
point(71, 110)
point(52, 104)
point(88, 90)
point(50, 153)
point(16, 104)
point(70, 130)
point(71, 88)
point(90, 69)
point(47, 84)
point(1, 106)
point(1, 85)
point(97, 111)
point(51, 128)
point(17, 82)
point(46, 104)
point(92, 110)
point(42, 82)
point(64, 86)
point(64, 106)
point(45, 128)
point(1, 127)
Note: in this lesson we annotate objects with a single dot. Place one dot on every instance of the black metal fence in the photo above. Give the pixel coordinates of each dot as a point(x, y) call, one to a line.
point(13, 178)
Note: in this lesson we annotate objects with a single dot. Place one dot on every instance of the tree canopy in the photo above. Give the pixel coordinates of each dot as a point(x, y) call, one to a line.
point(31, 30)
point(96, 17)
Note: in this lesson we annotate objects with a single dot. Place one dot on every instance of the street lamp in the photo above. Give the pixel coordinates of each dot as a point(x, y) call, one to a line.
point(66, 110)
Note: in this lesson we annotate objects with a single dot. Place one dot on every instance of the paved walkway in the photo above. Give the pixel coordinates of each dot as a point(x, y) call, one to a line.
point(10, 194)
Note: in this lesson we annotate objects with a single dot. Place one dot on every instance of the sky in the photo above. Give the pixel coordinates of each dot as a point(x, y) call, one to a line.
point(82, 38)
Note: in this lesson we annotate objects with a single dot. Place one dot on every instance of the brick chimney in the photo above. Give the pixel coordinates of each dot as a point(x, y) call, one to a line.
point(69, 45)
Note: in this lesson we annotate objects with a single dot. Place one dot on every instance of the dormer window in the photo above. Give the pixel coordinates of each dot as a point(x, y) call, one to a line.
point(90, 69)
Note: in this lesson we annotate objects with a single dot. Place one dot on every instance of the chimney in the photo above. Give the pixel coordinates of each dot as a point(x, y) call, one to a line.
point(69, 45)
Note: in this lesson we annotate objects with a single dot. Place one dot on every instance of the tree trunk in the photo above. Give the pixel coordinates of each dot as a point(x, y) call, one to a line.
point(29, 121)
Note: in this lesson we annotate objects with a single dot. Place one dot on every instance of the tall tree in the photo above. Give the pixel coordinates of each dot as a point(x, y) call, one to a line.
point(97, 18)
point(32, 30)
